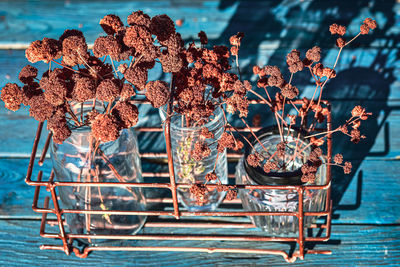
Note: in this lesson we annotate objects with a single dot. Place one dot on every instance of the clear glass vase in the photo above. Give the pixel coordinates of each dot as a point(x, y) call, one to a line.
point(118, 161)
point(187, 170)
point(273, 200)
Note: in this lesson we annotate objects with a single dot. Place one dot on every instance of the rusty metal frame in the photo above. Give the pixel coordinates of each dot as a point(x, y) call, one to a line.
point(67, 238)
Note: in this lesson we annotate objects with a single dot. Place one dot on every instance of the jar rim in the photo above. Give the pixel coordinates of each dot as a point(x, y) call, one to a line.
point(258, 175)
point(217, 116)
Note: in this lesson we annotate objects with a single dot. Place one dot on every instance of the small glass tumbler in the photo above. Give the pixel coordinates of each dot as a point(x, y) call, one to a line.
point(189, 171)
point(279, 200)
point(75, 160)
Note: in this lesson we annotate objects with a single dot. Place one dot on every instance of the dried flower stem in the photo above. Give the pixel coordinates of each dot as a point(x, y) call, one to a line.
point(136, 62)
point(283, 112)
point(73, 116)
point(114, 170)
point(64, 66)
point(262, 98)
point(112, 63)
point(255, 136)
point(322, 133)
point(355, 37)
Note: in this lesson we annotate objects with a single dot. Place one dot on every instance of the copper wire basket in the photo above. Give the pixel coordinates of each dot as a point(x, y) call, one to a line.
point(199, 220)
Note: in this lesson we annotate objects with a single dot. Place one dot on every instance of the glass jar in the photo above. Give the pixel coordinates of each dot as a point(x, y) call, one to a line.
point(189, 171)
point(273, 200)
point(74, 161)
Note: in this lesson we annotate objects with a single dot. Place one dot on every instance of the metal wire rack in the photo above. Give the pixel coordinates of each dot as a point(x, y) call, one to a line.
point(176, 211)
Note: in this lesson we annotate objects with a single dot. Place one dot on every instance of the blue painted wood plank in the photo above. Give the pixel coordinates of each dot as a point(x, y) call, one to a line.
point(363, 197)
point(285, 23)
point(351, 245)
point(23, 22)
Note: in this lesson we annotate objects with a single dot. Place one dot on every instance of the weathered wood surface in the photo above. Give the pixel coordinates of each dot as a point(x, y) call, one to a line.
point(351, 245)
point(272, 23)
point(363, 197)
point(366, 203)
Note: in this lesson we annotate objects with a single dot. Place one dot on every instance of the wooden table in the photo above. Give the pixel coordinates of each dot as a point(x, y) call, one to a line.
point(366, 221)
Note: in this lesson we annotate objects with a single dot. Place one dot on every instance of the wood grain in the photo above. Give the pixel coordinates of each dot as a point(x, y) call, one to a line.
point(351, 245)
point(362, 198)
point(268, 22)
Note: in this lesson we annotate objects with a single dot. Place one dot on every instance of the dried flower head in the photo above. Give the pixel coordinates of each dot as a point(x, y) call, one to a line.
point(309, 171)
point(74, 49)
point(199, 191)
point(200, 151)
point(358, 111)
point(338, 159)
point(289, 91)
point(105, 128)
point(294, 62)
point(12, 96)
point(318, 70)
point(340, 42)
point(226, 141)
point(236, 39)
point(68, 33)
point(231, 194)
point(171, 62)
point(59, 127)
point(107, 45)
point(46, 50)
point(127, 114)
point(30, 90)
point(108, 89)
point(55, 88)
point(205, 133)
point(203, 37)
point(280, 149)
point(127, 91)
point(329, 73)
point(137, 76)
point(157, 92)
point(238, 103)
point(337, 29)
point(355, 136)
point(111, 24)
point(314, 54)
point(269, 166)
point(254, 160)
point(40, 108)
point(84, 88)
point(347, 167)
point(139, 38)
point(162, 26)
point(368, 24)
point(139, 18)
point(27, 74)
point(211, 176)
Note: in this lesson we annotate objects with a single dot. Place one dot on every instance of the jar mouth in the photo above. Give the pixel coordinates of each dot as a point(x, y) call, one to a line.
point(258, 175)
point(176, 120)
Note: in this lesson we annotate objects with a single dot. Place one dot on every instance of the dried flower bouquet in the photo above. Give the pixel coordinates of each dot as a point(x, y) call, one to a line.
point(205, 83)
point(85, 98)
point(202, 85)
